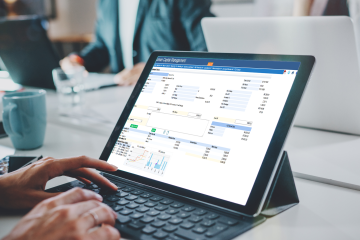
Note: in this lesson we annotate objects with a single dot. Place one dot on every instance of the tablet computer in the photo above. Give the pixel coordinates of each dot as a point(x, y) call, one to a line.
point(209, 126)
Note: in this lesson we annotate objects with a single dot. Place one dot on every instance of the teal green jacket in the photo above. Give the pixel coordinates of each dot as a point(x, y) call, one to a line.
point(160, 25)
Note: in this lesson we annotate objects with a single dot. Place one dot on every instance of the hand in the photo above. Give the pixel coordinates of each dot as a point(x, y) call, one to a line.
point(129, 77)
point(302, 7)
point(68, 216)
point(25, 187)
point(68, 64)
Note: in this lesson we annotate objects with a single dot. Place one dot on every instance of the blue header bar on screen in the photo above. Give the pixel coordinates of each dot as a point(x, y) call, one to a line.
point(271, 67)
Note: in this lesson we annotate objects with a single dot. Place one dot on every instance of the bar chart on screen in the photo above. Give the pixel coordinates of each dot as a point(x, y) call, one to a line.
point(149, 160)
point(157, 163)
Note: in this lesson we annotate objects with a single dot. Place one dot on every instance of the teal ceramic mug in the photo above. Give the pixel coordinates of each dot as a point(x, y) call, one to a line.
point(24, 118)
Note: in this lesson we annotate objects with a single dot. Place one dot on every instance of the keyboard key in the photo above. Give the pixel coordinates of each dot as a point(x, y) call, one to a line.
point(120, 186)
point(156, 198)
point(208, 223)
point(117, 208)
point(147, 219)
point(136, 225)
point(228, 221)
point(112, 198)
point(148, 230)
point(132, 205)
point(189, 235)
point(177, 205)
point(110, 204)
point(122, 202)
point(131, 198)
point(142, 209)
point(199, 230)
point(146, 195)
point(125, 212)
point(172, 211)
point(94, 186)
point(183, 215)
point(195, 219)
point(137, 215)
point(158, 224)
point(175, 221)
point(160, 235)
point(123, 219)
point(187, 225)
point(96, 190)
point(87, 186)
point(200, 212)
point(153, 213)
point(78, 184)
point(136, 192)
point(212, 216)
point(169, 228)
point(188, 209)
point(161, 208)
point(128, 189)
point(151, 204)
point(164, 217)
point(141, 201)
point(166, 201)
point(122, 194)
point(213, 231)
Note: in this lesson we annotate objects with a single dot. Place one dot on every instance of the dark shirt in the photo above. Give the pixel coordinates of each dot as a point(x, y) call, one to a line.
point(160, 25)
point(336, 8)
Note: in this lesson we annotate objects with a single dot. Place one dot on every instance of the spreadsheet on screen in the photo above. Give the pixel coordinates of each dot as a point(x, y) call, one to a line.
point(202, 124)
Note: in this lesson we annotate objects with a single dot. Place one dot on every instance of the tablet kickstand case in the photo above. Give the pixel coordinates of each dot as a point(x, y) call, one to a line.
point(282, 194)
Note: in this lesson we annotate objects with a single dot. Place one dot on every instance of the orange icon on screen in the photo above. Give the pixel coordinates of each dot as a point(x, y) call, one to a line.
point(210, 63)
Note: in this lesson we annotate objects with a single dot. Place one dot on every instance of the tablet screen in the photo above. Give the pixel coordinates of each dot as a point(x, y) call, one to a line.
point(205, 124)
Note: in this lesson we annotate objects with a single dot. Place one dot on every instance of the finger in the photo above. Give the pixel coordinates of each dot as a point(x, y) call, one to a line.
point(121, 76)
point(58, 167)
point(97, 216)
point(37, 196)
point(73, 196)
point(93, 176)
point(104, 232)
point(83, 207)
point(84, 180)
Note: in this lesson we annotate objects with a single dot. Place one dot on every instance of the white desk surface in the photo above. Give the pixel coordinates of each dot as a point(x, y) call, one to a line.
point(323, 156)
point(324, 212)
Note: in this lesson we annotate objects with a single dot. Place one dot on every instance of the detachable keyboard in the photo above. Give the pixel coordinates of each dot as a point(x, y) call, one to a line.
point(148, 213)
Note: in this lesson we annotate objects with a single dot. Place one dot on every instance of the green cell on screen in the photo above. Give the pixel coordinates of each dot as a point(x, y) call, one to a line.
point(133, 126)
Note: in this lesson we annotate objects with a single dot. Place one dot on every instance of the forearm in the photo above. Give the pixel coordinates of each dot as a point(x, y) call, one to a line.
point(302, 7)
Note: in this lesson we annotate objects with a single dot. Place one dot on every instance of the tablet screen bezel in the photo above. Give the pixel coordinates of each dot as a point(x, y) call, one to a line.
point(274, 151)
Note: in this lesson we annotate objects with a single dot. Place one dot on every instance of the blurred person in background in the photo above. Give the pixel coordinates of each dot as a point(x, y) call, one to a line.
point(321, 8)
point(3, 10)
point(127, 32)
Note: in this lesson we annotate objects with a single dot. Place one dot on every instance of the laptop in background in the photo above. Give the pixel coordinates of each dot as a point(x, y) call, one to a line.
point(332, 98)
point(30, 57)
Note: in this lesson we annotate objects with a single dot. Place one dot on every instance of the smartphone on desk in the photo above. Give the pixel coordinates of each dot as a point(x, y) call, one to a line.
point(13, 163)
point(2, 131)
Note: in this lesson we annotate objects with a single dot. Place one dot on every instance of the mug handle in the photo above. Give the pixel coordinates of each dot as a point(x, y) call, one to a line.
point(8, 115)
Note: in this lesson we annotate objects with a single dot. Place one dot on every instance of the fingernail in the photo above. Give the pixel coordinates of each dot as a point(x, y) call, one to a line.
point(99, 197)
point(114, 185)
point(114, 166)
